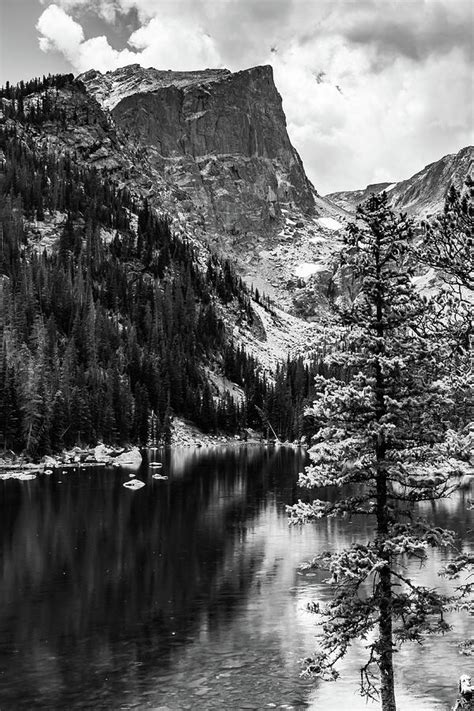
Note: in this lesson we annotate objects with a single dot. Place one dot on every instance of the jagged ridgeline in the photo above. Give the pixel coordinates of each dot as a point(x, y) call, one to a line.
point(107, 316)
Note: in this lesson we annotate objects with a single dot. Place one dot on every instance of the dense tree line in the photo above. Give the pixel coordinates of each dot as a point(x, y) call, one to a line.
point(276, 403)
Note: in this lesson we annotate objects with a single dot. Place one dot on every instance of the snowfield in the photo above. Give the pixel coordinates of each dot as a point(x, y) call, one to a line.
point(306, 269)
point(330, 223)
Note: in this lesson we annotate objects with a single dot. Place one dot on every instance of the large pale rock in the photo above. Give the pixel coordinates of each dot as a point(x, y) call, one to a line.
point(102, 453)
point(134, 484)
point(50, 462)
point(129, 459)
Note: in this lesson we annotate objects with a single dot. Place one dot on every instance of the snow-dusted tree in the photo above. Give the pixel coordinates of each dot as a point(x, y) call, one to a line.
point(447, 245)
point(448, 239)
point(380, 438)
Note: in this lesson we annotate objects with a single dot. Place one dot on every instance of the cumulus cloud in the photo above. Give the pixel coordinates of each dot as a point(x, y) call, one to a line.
point(59, 32)
point(171, 44)
point(163, 42)
point(384, 126)
point(372, 89)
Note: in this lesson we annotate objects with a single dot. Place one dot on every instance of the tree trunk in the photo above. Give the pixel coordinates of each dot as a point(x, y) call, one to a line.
point(385, 642)
point(387, 682)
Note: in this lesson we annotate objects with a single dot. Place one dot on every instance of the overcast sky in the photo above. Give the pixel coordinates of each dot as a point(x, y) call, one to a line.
point(373, 90)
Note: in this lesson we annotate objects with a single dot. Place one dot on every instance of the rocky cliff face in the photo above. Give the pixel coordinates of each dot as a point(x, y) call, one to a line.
point(219, 137)
point(421, 195)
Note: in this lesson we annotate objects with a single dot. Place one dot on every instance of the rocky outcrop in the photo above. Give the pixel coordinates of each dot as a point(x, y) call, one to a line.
point(421, 195)
point(219, 137)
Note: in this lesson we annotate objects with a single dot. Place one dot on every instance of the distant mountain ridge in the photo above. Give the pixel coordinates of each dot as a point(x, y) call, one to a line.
point(421, 195)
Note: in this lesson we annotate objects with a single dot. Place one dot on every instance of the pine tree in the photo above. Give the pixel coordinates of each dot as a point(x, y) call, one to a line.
point(447, 246)
point(382, 429)
point(448, 240)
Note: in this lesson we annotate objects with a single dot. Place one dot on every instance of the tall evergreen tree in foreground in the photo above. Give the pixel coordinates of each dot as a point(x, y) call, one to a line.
point(381, 438)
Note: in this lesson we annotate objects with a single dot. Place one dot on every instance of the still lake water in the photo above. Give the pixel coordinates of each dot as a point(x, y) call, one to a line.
point(186, 594)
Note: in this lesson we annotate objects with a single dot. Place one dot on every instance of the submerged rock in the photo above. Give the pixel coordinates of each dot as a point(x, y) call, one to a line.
point(134, 484)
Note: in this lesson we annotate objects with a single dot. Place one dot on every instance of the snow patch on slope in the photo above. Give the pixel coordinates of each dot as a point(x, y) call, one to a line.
point(306, 269)
point(329, 223)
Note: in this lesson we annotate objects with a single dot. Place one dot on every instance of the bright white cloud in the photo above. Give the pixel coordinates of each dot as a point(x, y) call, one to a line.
point(393, 90)
point(59, 32)
point(385, 125)
point(171, 44)
point(97, 53)
point(167, 43)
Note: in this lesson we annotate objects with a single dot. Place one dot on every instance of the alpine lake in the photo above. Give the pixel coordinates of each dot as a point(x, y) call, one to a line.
point(187, 593)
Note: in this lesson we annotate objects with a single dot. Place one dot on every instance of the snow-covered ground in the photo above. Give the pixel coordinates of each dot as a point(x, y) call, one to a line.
point(306, 269)
point(330, 223)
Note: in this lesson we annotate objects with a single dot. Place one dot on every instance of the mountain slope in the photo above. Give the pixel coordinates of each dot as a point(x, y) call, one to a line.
point(112, 315)
point(214, 153)
point(421, 195)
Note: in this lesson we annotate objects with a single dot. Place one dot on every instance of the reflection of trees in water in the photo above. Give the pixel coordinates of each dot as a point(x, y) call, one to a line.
point(451, 513)
point(96, 579)
point(97, 582)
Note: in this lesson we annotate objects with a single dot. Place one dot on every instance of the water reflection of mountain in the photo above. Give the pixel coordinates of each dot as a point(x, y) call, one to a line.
point(110, 597)
point(94, 578)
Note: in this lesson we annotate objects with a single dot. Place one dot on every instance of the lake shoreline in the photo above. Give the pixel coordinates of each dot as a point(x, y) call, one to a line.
point(184, 435)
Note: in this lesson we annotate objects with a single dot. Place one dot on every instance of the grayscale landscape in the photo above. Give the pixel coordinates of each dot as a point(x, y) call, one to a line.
point(236, 332)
